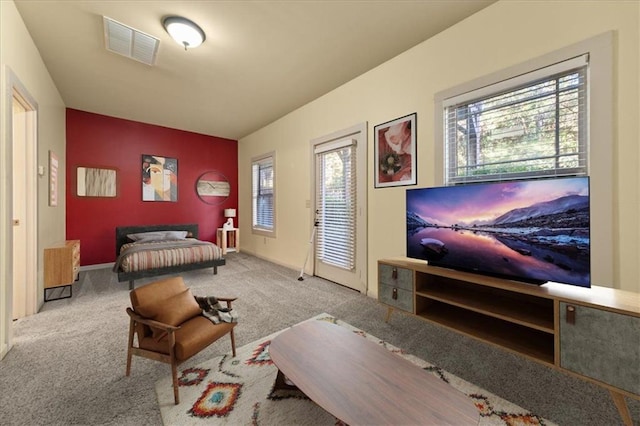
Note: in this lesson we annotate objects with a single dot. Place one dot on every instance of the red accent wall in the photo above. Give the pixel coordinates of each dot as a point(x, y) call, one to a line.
point(96, 140)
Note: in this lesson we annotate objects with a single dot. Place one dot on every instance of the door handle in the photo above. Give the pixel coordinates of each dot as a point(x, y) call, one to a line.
point(571, 314)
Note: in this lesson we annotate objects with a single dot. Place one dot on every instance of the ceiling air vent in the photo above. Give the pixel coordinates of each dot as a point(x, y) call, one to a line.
point(129, 42)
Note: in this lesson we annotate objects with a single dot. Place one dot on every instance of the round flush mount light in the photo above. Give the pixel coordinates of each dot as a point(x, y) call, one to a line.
point(185, 32)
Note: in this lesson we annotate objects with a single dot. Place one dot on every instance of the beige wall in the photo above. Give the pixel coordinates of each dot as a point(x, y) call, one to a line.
point(491, 40)
point(19, 54)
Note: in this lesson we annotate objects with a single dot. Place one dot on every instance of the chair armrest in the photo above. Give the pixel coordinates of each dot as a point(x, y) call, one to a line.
point(151, 323)
point(228, 300)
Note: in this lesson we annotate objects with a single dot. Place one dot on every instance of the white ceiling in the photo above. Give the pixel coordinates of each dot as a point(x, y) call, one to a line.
point(260, 61)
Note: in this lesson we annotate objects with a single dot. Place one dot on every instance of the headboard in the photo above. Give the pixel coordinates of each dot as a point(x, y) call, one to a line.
point(123, 231)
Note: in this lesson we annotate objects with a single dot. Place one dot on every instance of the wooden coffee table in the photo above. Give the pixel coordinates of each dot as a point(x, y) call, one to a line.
point(361, 382)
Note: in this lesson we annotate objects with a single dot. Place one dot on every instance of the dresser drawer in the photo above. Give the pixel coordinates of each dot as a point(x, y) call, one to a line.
point(395, 287)
point(61, 263)
point(396, 297)
point(395, 277)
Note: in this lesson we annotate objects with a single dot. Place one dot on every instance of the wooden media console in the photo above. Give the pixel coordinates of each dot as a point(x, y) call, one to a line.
point(564, 327)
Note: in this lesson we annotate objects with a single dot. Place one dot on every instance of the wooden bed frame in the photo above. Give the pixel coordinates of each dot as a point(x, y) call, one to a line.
point(192, 229)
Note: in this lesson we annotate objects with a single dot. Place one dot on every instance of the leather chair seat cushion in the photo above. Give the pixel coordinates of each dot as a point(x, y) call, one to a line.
point(193, 336)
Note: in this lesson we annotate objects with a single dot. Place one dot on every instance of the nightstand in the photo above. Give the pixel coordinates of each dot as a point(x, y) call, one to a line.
point(228, 240)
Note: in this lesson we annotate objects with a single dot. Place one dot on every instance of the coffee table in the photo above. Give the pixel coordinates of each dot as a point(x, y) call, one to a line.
point(361, 382)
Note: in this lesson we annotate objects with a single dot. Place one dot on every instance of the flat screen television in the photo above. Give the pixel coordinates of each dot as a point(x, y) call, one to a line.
point(530, 230)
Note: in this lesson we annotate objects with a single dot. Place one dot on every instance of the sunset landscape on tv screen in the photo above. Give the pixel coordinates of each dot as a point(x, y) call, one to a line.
point(532, 230)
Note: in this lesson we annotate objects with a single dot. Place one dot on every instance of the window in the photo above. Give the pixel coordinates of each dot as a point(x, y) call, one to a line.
point(263, 194)
point(595, 127)
point(532, 125)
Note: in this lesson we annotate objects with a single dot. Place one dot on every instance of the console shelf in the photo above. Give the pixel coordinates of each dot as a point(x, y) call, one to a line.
point(525, 341)
point(561, 326)
point(527, 311)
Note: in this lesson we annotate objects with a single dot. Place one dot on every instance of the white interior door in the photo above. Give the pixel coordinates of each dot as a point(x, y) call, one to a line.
point(24, 203)
point(19, 208)
point(339, 196)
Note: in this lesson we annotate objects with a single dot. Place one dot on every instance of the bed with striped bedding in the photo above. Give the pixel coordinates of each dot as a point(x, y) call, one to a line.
point(140, 259)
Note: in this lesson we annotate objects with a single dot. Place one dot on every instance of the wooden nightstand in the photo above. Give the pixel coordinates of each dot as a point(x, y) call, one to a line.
point(61, 266)
point(228, 240)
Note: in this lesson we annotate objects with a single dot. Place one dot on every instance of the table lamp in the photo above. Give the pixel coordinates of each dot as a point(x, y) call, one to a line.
point(229, 214)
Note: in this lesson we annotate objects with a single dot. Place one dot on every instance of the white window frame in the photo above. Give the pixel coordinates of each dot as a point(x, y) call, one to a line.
point(600, 136)
point(456, 173)
point(256, 161)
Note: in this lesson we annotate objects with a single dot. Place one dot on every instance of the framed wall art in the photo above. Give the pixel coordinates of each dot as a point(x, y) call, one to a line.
point(53, 179)
point(159, 178)
point(96, 181)
point(395, 152)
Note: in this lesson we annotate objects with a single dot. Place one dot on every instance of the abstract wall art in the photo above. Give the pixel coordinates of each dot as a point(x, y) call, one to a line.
point(159, 178)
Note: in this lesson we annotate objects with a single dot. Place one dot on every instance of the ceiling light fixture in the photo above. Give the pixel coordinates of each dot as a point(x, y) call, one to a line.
point(185, 32)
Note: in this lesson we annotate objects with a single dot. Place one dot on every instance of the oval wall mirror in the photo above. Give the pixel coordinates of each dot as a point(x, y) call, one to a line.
point(213, 187)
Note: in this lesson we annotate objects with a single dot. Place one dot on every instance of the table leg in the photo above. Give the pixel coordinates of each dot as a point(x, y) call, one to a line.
point(389, 312)
point(621, 405)
point(281, 382)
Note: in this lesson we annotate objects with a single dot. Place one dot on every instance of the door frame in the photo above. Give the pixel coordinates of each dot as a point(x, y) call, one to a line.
point(358, 132)
point(14, 85)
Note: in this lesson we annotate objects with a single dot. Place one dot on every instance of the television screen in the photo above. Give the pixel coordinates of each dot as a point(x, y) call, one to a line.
point(532, 230)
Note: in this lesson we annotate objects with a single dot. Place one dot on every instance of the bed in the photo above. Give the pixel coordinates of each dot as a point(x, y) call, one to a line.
point(175, 250)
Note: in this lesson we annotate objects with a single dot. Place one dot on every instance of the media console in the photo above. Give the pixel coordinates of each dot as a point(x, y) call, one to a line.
point(591, 333)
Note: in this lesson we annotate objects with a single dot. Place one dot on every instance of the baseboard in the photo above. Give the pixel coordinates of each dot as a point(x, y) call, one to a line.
point(295, 268)
point(97, 266)
point(268, 259)
point(3, 350)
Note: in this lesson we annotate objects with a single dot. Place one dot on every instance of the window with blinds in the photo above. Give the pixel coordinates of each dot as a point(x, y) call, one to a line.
point(336, 203)
point(533, 125)
point(263, 190)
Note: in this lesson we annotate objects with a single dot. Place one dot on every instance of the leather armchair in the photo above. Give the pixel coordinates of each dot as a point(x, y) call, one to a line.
point(169, 325)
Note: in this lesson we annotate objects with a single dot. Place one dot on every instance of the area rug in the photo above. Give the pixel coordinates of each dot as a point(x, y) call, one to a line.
point(241, 391)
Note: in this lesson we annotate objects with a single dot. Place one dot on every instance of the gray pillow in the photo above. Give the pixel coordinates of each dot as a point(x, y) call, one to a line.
point(157, 236)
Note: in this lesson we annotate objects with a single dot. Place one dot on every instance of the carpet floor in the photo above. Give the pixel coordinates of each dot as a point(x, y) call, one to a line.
point(67, 363)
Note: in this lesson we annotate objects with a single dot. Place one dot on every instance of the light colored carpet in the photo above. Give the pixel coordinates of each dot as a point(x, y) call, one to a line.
point(68, 361)
point(239, 390)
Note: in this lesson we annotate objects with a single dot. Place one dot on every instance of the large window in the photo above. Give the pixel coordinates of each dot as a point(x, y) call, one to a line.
point(532, 125)
point(263, 190)
point(549, 116)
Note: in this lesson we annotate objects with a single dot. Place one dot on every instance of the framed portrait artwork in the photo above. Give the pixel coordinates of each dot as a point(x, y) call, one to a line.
point(395, 152)
point(159, 178)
